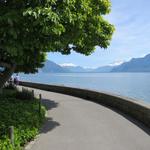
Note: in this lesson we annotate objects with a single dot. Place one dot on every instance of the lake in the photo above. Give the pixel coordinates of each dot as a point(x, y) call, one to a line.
point(133, 85)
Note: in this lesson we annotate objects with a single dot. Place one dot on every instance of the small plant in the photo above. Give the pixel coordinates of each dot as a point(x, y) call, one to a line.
point(7, 93)
point(10, 86)
point(25, 94)
point(24, 116)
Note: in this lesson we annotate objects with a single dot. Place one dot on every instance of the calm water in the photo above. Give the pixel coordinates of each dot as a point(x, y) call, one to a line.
point(134, 85)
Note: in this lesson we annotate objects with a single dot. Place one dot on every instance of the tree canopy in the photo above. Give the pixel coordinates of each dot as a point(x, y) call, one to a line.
point(31, 28)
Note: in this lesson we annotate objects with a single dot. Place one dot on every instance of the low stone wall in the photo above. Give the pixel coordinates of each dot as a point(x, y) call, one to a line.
point(135, 109)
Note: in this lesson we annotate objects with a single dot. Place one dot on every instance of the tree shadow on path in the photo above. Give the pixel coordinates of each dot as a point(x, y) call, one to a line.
point(49, 123)
point(49, 104)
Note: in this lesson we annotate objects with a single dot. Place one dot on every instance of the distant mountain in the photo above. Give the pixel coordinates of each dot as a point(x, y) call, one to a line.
point(79, 69)
point(104, 69)
point(134, 65)
point(51, 67)
point(76, 69)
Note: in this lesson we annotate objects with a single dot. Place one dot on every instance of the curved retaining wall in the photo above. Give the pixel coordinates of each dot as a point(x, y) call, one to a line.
point(135, 109)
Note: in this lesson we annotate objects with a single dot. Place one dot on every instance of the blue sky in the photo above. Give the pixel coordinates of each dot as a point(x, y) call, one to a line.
point(131, 38)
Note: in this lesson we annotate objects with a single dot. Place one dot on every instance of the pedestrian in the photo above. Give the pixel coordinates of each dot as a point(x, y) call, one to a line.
point(16, 79)
point(11, 81)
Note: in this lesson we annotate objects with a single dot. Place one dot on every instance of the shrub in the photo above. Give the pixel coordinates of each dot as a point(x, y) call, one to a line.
point(7, 93)
point(25, 94)
point(10, 86)
point(24, 116)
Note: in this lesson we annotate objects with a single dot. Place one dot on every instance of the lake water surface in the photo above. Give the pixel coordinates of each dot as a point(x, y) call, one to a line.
point(134, 85)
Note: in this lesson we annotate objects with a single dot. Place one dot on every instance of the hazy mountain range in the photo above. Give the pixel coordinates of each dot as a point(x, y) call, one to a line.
point(134, 65)
point(51, 67)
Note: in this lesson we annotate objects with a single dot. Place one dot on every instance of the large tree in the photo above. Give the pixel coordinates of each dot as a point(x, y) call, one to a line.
point(31, 28)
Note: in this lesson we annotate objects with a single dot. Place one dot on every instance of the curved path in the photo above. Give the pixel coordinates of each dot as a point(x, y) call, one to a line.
point(75, 124)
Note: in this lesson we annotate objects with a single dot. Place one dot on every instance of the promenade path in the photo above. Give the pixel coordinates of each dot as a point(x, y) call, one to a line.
point(76, 124)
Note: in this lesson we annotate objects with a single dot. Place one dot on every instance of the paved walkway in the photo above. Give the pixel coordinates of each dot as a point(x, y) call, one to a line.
point(76, 124)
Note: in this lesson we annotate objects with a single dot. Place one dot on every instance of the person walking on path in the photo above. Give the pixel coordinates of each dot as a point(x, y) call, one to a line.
point(11, 81)
point(16, 79)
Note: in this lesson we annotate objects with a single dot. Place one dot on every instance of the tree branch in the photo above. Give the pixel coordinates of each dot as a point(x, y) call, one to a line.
point(4, 64)
point(7, 73)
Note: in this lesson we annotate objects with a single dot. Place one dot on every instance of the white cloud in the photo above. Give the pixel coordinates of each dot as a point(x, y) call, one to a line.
point(130, 40)
point(68, 65)
point(116, 63)
point(89, 67)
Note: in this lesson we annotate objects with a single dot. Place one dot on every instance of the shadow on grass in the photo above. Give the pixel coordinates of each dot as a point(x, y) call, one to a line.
point(49, 123)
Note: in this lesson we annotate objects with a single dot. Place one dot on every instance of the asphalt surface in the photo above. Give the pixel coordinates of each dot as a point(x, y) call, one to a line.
point(76, 124)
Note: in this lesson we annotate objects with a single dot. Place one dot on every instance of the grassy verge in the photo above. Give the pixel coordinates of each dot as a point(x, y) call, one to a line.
point(23, 114)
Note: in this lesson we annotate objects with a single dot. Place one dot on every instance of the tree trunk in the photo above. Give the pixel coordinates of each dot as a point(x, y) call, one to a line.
point(4, 76)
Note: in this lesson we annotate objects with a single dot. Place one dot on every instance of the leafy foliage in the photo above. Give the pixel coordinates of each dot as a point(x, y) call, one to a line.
point(30, 28)
point(25, 94)
point(10, 86)
point(23, 115)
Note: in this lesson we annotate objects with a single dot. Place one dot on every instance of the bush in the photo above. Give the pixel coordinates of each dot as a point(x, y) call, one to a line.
point(7, 93)
point(25, 94)
point(24, 116)
point(10, 86)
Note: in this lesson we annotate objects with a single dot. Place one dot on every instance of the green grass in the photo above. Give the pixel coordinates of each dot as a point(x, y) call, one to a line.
point(23, 115)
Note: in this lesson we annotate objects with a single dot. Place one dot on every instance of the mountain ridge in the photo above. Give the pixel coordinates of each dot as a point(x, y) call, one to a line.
point(51, 67)
point(134, 65)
